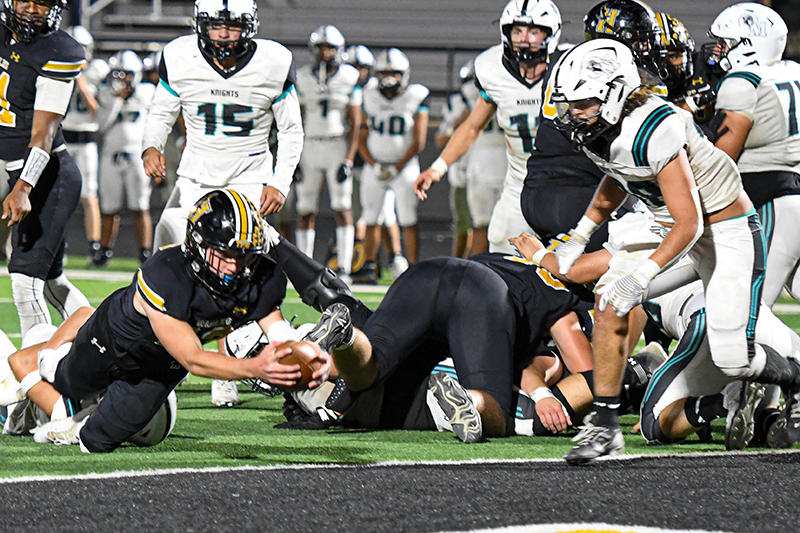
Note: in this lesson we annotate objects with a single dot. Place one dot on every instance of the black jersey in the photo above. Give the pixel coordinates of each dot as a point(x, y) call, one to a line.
point(554, 160)
point(166, 283)
point(55, 55)
point(539, 298)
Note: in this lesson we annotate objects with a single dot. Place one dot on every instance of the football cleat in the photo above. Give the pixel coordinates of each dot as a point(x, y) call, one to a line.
point(785, 431)
point(368, 274)
point(324, 418)
point(740, 398)
point(595, 441)
point(398, 265)
point(334, 329)
point(458, 407)
point(64, 431)
point(224, 393)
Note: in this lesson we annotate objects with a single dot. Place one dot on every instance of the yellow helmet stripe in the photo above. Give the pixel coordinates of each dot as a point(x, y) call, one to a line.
point(243, 227)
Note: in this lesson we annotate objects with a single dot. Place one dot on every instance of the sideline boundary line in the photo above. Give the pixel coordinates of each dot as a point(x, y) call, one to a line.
point(384, 464)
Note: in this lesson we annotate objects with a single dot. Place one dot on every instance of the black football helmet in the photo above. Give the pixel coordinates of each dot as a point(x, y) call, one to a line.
point(225, 221)
point(232, 13)
point(631, 22)
point(26, 28)
point(675, 41)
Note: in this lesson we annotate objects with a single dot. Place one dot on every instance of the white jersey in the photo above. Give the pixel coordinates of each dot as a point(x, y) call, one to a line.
point(518, 103)
point(228, 116)
point(78, 117)
point(493, 135)
point(391, 122)
point(325, 104)
point(123, 121)
point(770, 97)
point(649, 138)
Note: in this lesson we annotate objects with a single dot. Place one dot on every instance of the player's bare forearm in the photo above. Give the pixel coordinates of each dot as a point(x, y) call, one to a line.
point(354, 116)
point(468, 132)
point(68, 330)
point(734, 131)
point(44, 129)
point(607, 198)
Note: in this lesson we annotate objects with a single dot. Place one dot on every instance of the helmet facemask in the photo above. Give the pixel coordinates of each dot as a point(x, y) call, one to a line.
point(530, 53)
point(26, 28)
point(224, 50)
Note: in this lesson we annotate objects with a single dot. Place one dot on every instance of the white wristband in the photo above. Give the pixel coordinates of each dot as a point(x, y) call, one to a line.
point(282, 331)
point(439, 166)
point(648, 269)
point(34, 166)
point(585, 228)
point(30, 381)
point(538, 255)
point(541, 393)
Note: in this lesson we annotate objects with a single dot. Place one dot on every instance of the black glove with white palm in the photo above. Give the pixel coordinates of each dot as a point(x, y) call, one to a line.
point(345, 171)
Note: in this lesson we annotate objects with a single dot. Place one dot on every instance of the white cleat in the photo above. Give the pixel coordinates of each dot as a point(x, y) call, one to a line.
point(224, 393)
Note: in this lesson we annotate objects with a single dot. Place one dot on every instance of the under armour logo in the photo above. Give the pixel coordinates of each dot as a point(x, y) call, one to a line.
point(101, 349)
point(15, 57)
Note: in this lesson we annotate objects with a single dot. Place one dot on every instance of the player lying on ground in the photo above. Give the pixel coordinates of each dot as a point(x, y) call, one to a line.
point(143, 339)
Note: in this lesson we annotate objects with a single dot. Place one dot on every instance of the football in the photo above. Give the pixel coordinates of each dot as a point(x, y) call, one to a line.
point(304, 354)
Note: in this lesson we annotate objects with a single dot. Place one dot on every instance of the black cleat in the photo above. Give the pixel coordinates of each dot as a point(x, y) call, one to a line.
point(334, 329)
point(368, 274)
point(741, 400)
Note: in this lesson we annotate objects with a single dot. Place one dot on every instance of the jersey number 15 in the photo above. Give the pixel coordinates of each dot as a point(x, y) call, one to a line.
point(229, 112)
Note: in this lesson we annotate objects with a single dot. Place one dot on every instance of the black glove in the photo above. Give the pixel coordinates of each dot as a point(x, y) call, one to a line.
point(345, 172)
point(298, 175)
point(711, 128)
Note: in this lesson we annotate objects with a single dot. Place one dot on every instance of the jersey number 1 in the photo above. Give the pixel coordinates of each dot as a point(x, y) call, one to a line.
point(7, 117)
point(229, 112)
point(786, 86)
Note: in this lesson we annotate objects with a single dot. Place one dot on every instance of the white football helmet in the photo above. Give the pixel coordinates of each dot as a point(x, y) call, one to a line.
point(96, 71)
point(84, 38)
point(359, 56)
point(239, 13)
point(160, 426)
point(601, 69)
point(541, 13)
point(467, 72)
point(389, 62)
point(152, 60)
point(327, 35)
point(753, 33)
point(126, 68)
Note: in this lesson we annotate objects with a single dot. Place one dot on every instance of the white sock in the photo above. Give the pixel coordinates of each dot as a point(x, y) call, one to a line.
point(305, 241)
point(30, 301)
point(345, 241)
point(59, 411)
point(64, 296)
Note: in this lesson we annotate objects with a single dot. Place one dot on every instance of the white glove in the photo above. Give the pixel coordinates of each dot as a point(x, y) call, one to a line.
point(571, 249)
point(388, 172)
point(271, 235)
point(628, 291)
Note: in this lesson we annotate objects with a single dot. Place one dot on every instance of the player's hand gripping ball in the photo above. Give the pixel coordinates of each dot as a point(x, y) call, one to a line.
point(306, 355)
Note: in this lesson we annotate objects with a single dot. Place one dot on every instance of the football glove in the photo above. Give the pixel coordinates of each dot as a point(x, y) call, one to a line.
point(345, 172)
point(569, 251)
point(628, 291)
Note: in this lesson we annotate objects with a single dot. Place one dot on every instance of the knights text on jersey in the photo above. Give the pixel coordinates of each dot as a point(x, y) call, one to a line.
point(649, 138)
point(325, 103)
point(391, 121)
point(57, 56)
point(518, 102)
point(166, 284)
point(770, 97)
point(227, 115)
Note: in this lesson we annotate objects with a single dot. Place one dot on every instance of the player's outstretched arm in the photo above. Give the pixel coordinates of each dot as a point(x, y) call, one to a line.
point(289, 122)
point(161, 117)
point(458, 145)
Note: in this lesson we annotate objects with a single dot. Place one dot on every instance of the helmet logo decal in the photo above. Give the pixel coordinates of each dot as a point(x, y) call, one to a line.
point(756, 29)
point(204, 207)
point(601, 66)
point(606, 23)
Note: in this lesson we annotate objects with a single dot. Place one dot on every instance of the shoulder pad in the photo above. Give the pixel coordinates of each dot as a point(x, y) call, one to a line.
point(58, 56)
point(418, 91)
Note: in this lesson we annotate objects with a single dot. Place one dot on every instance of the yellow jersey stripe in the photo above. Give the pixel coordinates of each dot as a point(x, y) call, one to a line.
point(154, 299)
point(60, 66)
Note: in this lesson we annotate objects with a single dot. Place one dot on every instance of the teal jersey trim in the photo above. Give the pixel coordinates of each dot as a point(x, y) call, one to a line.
point(755, 79)
point(486, 96)
point(284, 94)
point(169, 89)
point(645, 133)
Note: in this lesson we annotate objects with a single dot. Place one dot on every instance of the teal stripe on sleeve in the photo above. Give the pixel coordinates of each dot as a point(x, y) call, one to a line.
point(169, 89)
point(755, 79)
point(645, 133)
point(284, 94)
point(486, 96)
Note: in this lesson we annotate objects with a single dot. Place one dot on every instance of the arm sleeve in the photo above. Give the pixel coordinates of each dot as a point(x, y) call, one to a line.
point(163, 113)
point(52, 95)
point(288, 120)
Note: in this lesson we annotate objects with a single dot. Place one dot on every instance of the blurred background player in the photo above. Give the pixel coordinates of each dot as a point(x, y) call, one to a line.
point(80, 132)
point(394, 131)
point(757, 125)
point(230, 88)
point(330, 97)
point(123, 180)
point(454, 111)
point(44, 179)
point(508, 77)
point(486, 166)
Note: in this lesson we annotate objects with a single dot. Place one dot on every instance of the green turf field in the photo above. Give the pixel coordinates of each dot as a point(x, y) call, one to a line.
point(207, 436)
